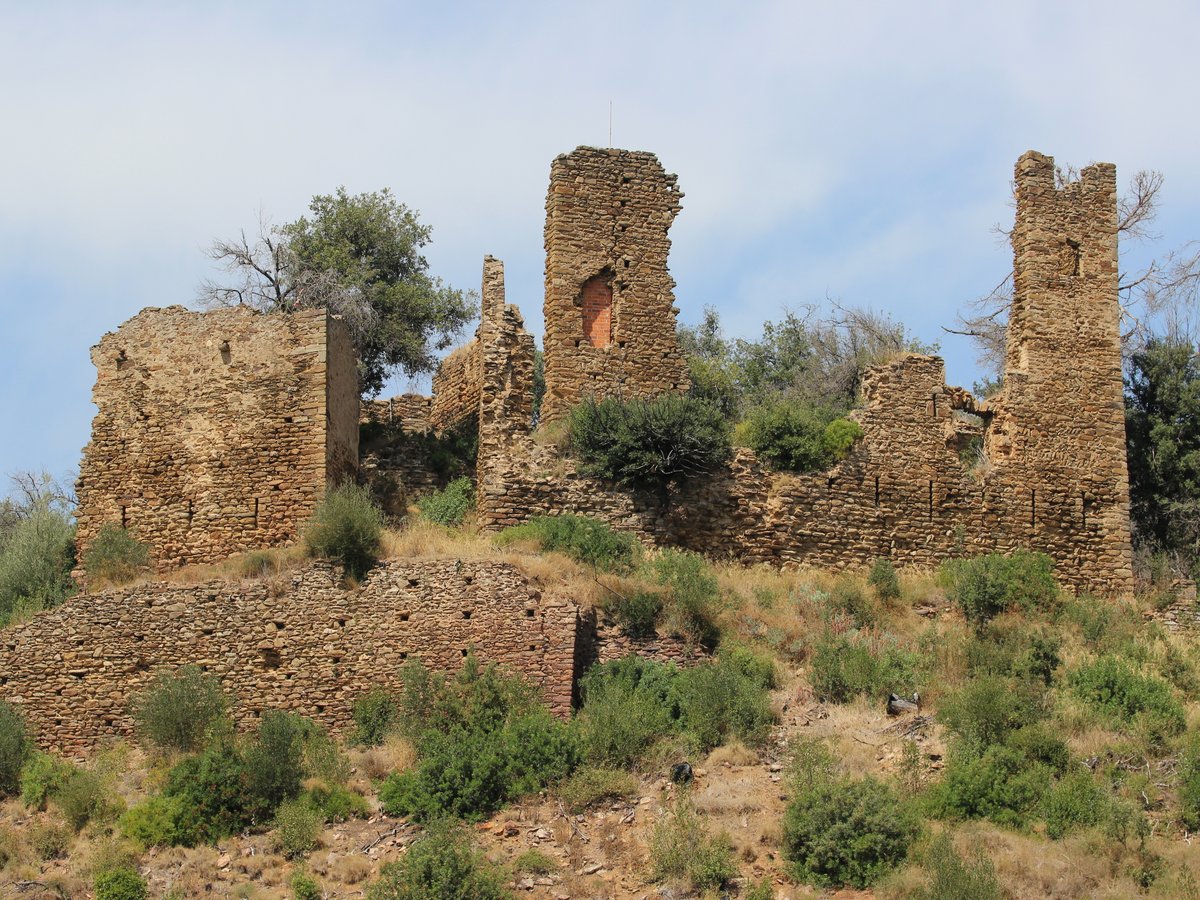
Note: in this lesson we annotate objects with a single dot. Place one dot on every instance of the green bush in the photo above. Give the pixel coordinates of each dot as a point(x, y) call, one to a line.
point(450, 505)
point(337, 804)
point(988, 709)
point(213, 791)
point(1011, 649)
point(848, 598)
point(1126, 698)
point(177, 709)
point(347, 526)
point(482, 738)
point(847, 665)
point(374, 715)
point(797, 436)
point(36, 558)
point(1073, 803)
point(591, 784)
point(42, 777)
point(884, 580)
point(1001, 784)
point(637, 614)
point(585, 540)
point(155, 822)
point(297, 827)
point(305, 887)
point(115, 556)
point(649, 444)
point(86, 797)
point(694, 599)
point(840, 832)
point(274, 761)
point(442, 864)
point(1189, 787)
point(535, 862)
point(983, 587)
point(628, 704)
point(720, 700)
point(953, 878)
point(683, 847)
point(120, 884)
point(15, 747)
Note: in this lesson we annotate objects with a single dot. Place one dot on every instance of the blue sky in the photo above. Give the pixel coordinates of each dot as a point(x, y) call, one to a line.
point(861, 151)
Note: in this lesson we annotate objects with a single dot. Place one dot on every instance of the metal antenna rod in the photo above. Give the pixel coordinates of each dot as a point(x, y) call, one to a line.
point(609, 124)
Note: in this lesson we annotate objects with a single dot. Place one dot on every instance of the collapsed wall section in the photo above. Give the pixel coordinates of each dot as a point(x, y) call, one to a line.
point(309, 647)
point(609, 307)
point(217, 432)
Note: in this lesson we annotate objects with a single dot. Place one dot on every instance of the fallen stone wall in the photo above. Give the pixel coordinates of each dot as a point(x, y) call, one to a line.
point(456, 388)
point(217, 432)
point(307, 646)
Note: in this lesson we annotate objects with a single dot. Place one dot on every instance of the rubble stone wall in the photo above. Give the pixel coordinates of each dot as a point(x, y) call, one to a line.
point(456, 387)
point(217, 432)
point(609, 306)
point(308, 646)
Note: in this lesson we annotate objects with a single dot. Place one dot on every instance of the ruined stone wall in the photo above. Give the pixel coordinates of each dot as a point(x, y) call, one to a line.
point(310, 647)
point(408, 412)
point(1058, 432)
point(217, 432)
point(456, 387)
point(1051, 478)
point(609, 307)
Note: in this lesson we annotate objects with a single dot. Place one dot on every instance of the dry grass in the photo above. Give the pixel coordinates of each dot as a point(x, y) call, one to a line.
point(734, 754)
point(395, 754)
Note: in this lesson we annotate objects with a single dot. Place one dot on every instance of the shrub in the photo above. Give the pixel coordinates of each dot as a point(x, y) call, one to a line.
point(797, 436)
point(719, 700)
point(442, 864)
point(1189, 787)
point(50, 840)
point(988, 709)
point(638, 613)
point(177, 709)
point(694, 598)
point(985, 586)
point(155, 822)
point(305, 887)
point(297, 828)
point(1013, 650)
point(1074, 802)
point(346, 526)
point(374, 715)
point(846, 665)
point(591, 784)
point(450, 505)
point(842, 832)
point(482, 738)
point(274, 761)
point(535, 862)
point(120, 884)
point(682, 846)
point(628, 704)
point(953, 878)
point(213, 793)
point(36, 558)
point(884, 580)
point(337, 804)
point(85, 797)
point(258, 563)
point(42, 777)
point(15, 748)
point(585, 540)
point(1122, 696)
point(1001, 784)
point(115, 556)
point(847, 597)
point(649, 444)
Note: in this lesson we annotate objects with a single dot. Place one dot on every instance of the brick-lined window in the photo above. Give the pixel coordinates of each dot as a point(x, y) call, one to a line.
point(597, 311)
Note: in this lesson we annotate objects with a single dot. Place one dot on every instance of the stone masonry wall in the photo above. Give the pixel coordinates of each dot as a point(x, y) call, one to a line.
point(1053, 478)
point(311, 647)
point(217, 432)
point(609, 307)
point(456, 388)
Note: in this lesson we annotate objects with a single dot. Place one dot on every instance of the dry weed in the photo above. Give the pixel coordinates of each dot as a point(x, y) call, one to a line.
point(734, 754)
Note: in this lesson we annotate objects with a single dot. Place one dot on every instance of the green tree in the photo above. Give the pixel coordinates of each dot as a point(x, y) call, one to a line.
point(1162, 425)
point(37, 546)
point(360, 257)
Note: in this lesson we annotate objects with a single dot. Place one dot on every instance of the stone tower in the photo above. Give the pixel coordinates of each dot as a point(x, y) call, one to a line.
point(1058, 431)
point(609, 309)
